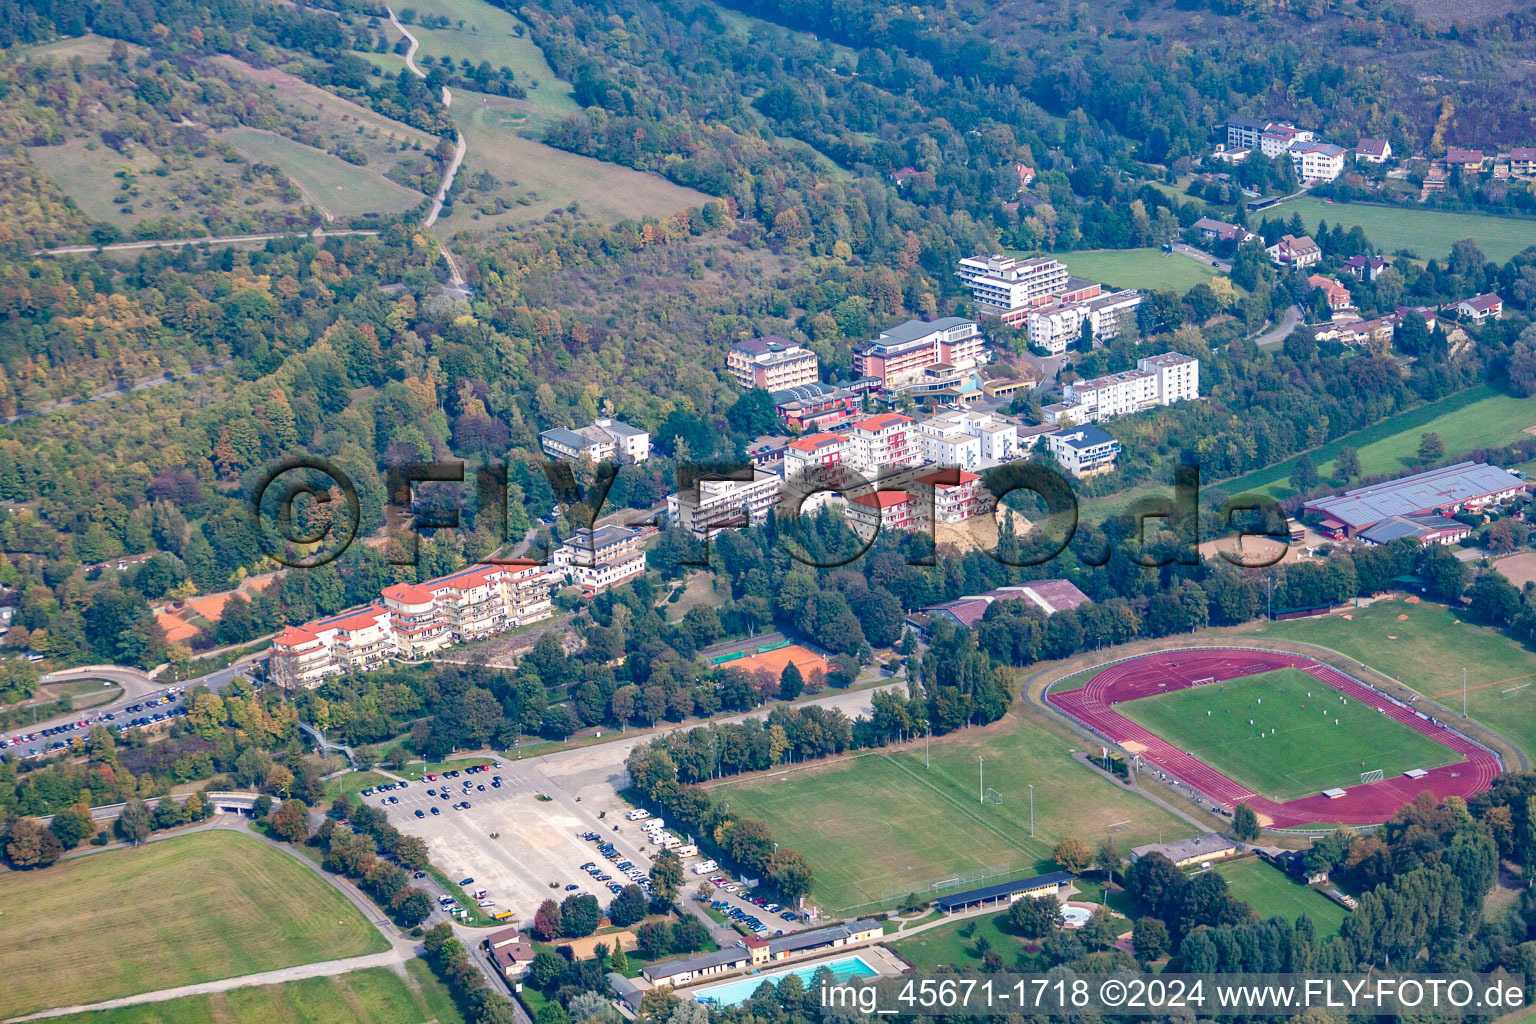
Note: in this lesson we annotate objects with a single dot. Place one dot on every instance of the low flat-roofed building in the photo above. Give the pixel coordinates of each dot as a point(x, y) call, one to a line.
point(1053, 884)
point(702, 965)
point(1050, 596)
point(1189, 852)
point(1430, 529)
point(1445, 490)
point(832, 937)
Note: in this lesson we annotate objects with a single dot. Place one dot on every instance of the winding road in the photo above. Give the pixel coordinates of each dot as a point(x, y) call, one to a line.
point(459, 149)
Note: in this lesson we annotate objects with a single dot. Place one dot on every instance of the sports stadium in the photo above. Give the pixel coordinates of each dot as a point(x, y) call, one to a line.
point(1298, 741)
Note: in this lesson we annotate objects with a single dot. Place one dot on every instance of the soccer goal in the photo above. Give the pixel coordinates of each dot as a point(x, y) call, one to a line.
point(993, 796)
point(1513, 691)
point(1208, 680)
point(1375, 775)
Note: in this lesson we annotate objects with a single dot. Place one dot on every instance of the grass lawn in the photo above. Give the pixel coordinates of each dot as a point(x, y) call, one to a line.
point(944, 946)
point(1272, 893)
point(1148, 269)
point(1427, 652)
point(1426, 233)
point(1479, 417)
point(377, 995)
point(879, 826)
point(1297, 744)
point(352, 784)
point(196, 908)
point(336, 186)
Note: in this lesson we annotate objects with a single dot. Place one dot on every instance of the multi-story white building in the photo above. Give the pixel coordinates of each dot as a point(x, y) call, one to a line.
point(1084, 451)
point(413, 621)
point(1317, 161)
point(1157, 380)
point(900, 355)
point(885, 441)
point(1006, 287)
point(712, 504)
point(1280, 137)
point(605, 440)
point(772, 363)
point(868, 514)
point(1292, 251)
point(949, 495)
point(946, 442)
point(1056, 327)
point(597, 560)
point(947, 437)
point(820, 457)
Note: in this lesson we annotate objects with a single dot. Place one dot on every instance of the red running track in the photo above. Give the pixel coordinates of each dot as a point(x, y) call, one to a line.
point(1365, 804)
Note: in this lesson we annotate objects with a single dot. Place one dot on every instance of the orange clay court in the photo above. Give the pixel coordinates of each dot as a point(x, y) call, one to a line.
point(774, 661)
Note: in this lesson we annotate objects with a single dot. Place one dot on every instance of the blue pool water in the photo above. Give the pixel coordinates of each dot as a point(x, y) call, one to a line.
point(732, 993)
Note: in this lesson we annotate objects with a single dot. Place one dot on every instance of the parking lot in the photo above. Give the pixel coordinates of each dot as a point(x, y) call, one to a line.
point(518, 846)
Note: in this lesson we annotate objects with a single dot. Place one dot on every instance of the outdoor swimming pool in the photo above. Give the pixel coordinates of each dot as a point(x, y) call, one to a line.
point(1075, 917)
point(733, 992)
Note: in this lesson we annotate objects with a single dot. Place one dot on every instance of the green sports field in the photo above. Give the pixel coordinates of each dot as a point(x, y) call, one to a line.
point(1427, 650)
point(1272, 893)
point(1303, 737)
point(1149, 269)
point(882, 823)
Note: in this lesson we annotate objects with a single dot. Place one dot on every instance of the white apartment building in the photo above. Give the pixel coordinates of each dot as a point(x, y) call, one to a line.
point(820, 457)
point(884, 441)
point(413, 621)
point(1057, 327)
point(605, 440)
point(943, 438)
point(1006, 287)
point(597, 560)
point(949, 495)
point(1280, 137)
point(1157, 380)
point(1317, 161)
point(1084, 451)
point(946, 442)
point(712, 505)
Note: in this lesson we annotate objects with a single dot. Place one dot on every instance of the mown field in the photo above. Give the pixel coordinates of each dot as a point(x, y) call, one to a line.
point(1479, 417)
point(1271, 893)
point(1427, 651)
point(376, 995)
point(883, 823)
point(175, 912)
point(1283, 734)
point(1149, 269)
point(1425, 233)
point(335, 186)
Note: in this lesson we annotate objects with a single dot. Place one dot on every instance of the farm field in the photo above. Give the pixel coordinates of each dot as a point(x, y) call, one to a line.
point(1479, 417)
point(1427, 651)
point(1426, 233)
point(1303, 737)
point(883, 825)
point(532, 179)
point(175, 912)
point(338, 188)
point(1271, 893)
point(377, 995)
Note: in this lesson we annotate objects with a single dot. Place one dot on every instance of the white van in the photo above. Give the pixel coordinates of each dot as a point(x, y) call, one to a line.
point(704, 867)
point(687, 850)
point(638, 814)
point(671, 842)
point(654, 824)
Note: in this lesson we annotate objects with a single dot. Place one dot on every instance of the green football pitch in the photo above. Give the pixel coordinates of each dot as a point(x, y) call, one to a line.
point(1284, 734)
